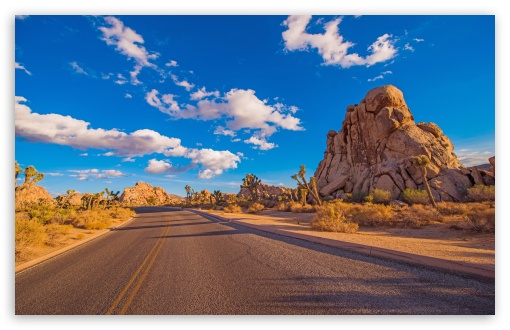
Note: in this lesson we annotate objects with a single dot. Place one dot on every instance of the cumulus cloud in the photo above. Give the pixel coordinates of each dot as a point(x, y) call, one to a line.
point(184, 83)
point(158, 166)
point(128, 96)
point(128, 159)
point(471, 157)
point(21, 67)
point(68, 131)
point(332, 46)
point(121, 80)
point(128, 43)
point(202, 93)
point(407, 46)
point(418, 40)
point(53, 174)
point(172, 63)
point(220, 130)
point(260, 143)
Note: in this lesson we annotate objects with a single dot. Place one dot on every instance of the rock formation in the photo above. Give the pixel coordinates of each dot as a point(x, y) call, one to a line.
point(264, 191)
point(375, 149)
point(31, 193)
point(145, 194)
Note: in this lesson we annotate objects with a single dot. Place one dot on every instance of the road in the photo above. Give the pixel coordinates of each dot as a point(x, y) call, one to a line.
point(174, 262)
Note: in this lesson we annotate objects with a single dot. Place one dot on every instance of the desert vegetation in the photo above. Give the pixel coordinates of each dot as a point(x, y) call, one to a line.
point(48, 223)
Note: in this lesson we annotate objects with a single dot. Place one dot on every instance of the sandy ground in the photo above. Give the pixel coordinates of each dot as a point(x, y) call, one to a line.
point(436, 240)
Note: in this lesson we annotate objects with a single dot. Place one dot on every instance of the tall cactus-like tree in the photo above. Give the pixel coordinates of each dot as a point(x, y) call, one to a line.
point(188, 193)
point(37, 178)
point(422, 162)
point(218, 196)
point(30, 172)
point(17, 171)
point(304, 193)
point(252, 183)
point(311, 187)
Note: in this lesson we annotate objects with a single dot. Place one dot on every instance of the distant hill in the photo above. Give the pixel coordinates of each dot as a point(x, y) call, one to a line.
point(485, 167)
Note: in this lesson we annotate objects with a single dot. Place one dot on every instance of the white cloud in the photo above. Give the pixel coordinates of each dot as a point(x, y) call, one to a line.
point(68, 131)
point(188, 86)
point(108, 154)
point(236, 140)
point(418, 40)
point(381, 76)
point(172, 63)
point(166, 104)
point(128, 43)
point(158, 166)
point(469, 157)
point(128, 96)
point(128, 159)
point(82, 175)
point(376, 78)
point(21, 67)
point(53, 174)
point(202, 93)
point(105, 76)
point(121, 80)
point(77, 68)
point(260, 143)
point(220, 130)
point(408, 47)
point(84, 154)
point(331, 45)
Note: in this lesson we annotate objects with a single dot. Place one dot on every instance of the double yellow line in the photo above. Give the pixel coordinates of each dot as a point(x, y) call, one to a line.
point(149, 260)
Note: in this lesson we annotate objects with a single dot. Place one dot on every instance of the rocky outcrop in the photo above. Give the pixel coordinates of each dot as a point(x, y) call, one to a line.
point(75, 199)
point(375, 149)
point(264, 191)
point(145, 194)
point(31, 193)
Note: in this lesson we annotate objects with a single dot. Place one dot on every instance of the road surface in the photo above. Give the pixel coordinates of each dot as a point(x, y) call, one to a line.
point(171, 261)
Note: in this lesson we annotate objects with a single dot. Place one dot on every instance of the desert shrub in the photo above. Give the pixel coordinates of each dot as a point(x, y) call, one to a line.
point(92, 219)
point(484, 221)
point(295, 207)
point(268, 203)
point(331, 217)
point(29, 233)
point(80, 236)
point(417, 216)
point(56, 233)
point(481, 193)
point(233, 208)
point(283, 207)
point(308, 208)
point(64, 215)
point(255, 207)
point(381, 196)
point(368, 199)
point(43, 213)
point(452, 208)
point(415, 196)
point(357, 196)
point(122, 213)
point(373, 215)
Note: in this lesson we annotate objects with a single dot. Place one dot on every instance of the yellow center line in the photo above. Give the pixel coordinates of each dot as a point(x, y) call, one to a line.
point(126, 288)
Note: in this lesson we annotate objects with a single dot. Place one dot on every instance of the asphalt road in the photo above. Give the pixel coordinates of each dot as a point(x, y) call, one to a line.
point(170, 261)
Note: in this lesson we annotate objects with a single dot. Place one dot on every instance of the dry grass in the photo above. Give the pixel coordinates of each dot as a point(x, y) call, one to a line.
point(332, 217)
point(414, 196)
point(255, 207)
point(232, 208)
point(40, 227)
point(481, 193)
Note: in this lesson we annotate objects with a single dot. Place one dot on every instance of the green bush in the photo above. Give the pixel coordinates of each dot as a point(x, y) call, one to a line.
point(358, 197)
point(481, 193)
point(415, 196)
point(331, 217)
point(381, 196)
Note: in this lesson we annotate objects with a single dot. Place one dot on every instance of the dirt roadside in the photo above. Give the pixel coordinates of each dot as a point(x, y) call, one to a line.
point(436, 240)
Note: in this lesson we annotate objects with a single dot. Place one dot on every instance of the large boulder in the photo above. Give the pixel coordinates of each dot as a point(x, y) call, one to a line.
point(31, 193)
point(376, 146)
point(264, 191)
point(145, 194)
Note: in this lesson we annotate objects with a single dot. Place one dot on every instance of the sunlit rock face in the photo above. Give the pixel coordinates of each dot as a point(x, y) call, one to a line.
point(375, 146)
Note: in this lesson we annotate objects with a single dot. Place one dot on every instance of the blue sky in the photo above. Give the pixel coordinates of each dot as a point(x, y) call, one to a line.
point(106, 101)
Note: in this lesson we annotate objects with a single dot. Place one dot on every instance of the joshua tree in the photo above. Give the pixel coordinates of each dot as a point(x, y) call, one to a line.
point(311, 187)
point(17, 171)
point(252, 183)
point(111, 197)
point(304, 193)
point(218, 196)
point(188, 193)
point(30, 172)
point(86, 201)
point(37, 178)
point(421, 162)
